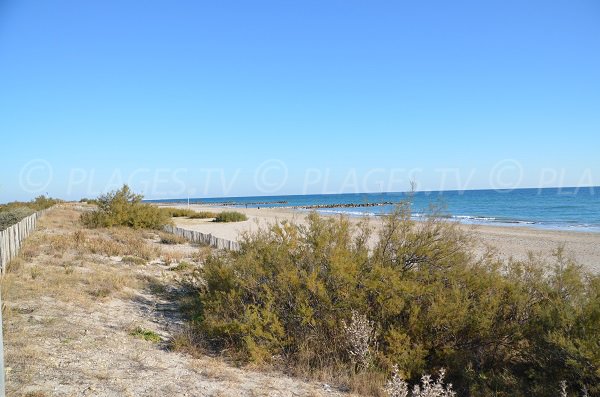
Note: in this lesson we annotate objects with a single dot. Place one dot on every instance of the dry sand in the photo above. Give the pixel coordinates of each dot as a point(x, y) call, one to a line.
point(515, 242)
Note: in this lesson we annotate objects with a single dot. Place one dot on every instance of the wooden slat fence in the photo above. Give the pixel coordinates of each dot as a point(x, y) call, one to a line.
point(203, 238)
point(10, 243)
point(12, 237)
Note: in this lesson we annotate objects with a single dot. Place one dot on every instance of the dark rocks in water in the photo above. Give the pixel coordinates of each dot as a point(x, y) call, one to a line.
point(267, 202)
point(344, 205)
point(246, 204)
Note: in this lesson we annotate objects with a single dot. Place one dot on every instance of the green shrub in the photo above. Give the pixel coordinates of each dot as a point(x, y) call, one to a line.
point(125, 208)
point(202, 215)
point(42, 203)
point(171, 239)
point(230, 216)
point(13, 215)
point(177, 212)
point(88, 201)
point(13, 212)
point(184, 212)
point(314, 294)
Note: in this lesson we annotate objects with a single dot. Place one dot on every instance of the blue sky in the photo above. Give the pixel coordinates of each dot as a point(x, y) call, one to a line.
point(291, 97)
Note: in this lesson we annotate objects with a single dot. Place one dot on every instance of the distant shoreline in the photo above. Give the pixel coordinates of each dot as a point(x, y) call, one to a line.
point(509, 241)
point(468, 213)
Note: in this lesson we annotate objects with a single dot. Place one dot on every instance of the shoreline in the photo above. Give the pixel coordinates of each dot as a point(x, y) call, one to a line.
point(508, 241)
point(329, 210)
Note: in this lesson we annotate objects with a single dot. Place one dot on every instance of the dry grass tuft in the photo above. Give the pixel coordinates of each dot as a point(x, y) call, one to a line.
point(169, 257)
point(171, 239)
point(189, 341)
point(102, 284)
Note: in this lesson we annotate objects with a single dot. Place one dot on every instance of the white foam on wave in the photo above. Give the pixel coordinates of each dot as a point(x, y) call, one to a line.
point(352, 213)
point(482, 220)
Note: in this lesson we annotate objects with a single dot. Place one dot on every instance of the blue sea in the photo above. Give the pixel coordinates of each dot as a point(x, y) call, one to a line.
point(576, 209)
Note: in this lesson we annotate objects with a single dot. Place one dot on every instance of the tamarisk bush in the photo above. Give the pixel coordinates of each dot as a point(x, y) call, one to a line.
point(323, 297)
point(124, 208)
point(13, 212)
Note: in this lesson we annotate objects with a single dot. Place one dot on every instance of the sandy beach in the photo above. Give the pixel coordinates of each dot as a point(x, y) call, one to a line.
point(514, 242)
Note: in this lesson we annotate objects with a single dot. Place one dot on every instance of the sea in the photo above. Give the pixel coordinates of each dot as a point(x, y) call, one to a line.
point(574, 209)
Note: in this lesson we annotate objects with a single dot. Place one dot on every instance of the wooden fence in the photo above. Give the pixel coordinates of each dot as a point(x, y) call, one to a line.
point(203, 238)
point(12, 237)
point(10, 243)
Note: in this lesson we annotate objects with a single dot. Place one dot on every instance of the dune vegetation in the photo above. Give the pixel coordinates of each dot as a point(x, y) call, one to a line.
point(321, 301)
point(230, 216)
point(13, 212)
point(188, 213)
point(125, 208)
point(317, 300)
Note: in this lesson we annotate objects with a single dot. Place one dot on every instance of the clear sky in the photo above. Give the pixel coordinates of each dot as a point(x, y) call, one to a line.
point(289, 97)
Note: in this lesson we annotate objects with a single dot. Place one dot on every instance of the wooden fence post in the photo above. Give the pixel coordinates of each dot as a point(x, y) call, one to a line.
point(202, 238)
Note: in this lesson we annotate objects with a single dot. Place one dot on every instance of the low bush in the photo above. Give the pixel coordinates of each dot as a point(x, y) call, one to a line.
point(125, 208)
point(134, 260)
point(171, 239)
point(184, 212)
point(177, 212)
point(202, 215)
point(88, 201)
point(13, 215)
point(230, 216)
point(13, 212)
point(319, 299)
point(42, 202)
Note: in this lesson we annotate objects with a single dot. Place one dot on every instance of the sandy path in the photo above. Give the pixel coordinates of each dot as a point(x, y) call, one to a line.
point(64, 337)
point(509, 241)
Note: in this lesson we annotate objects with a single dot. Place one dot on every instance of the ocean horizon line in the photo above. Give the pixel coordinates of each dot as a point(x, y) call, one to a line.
point(508, 190)
point(562, 208)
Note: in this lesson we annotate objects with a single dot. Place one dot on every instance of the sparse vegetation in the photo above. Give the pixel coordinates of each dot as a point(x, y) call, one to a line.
point(85, 304)
point(146, 334)
point(88, 201)
point(121, 242)
point(417, 302)
point(202, 215)
point(11, 216)
point(397, 387)
point(125, 208)
point(225, 216)
point(171, 239)
point(230, 216)
point(13, 212)
point(315, 300)
point(183, 266)
point(184, 212)
point(133, 260)
point(177, 212)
